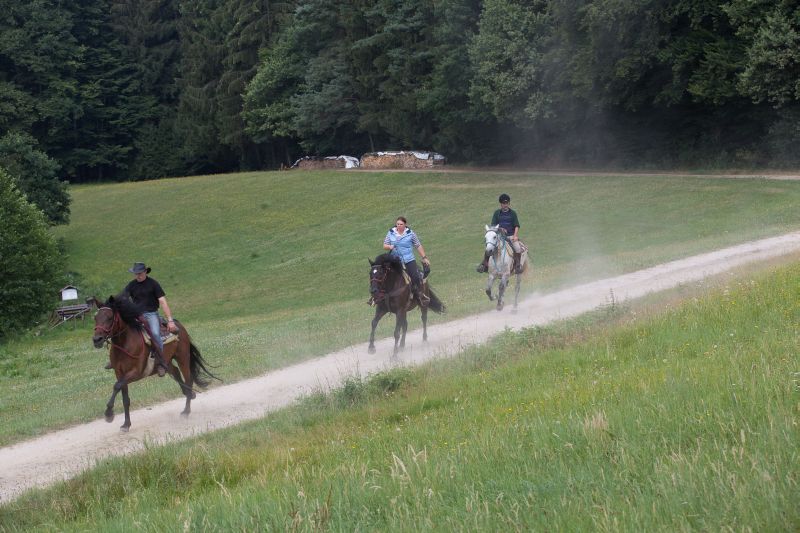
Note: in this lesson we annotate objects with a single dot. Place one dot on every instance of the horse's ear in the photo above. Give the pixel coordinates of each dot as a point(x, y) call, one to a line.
point(370, 262)
point(487, 227)
point(111, 300)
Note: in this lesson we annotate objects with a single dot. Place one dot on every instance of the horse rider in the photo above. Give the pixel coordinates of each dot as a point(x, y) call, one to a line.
point(147, 292)
point(401, 242)
point(507, 219)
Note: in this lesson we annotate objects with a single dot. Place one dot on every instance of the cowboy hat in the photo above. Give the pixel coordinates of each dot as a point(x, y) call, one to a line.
point(138, 268)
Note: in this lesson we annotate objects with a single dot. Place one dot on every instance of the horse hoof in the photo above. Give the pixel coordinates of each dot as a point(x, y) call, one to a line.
point(371, 349)
point(499, 307)
point(124, 429)
point(109, 418)
point(185, 413)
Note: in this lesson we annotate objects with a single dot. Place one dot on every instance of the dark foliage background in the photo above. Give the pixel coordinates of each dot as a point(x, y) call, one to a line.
point(138, 89)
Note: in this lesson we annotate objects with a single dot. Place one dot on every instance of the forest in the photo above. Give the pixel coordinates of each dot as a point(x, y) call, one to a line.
point(120, 90)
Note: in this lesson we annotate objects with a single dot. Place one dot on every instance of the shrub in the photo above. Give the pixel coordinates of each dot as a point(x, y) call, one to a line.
point(30, 262)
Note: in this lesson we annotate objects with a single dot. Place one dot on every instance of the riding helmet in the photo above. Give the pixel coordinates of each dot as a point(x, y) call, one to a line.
point(504, 198)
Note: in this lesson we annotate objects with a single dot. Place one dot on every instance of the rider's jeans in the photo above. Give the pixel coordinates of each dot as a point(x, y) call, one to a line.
point(154, 323)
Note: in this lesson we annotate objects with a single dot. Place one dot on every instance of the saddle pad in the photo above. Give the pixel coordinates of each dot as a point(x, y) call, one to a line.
point(165, 340)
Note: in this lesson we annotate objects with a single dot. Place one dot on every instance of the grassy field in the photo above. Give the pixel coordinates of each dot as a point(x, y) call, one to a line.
point(266, 269)
point(629, 419)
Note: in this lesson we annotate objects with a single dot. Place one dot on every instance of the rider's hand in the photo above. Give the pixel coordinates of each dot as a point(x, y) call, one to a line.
point(426, 261)
point(172, 326)
point(514, 238)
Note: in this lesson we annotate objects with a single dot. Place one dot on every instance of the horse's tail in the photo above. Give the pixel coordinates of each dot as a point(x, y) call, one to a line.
point(197, 366)
point(436, 305)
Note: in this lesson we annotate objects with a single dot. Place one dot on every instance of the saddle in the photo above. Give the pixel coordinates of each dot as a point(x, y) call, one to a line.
point(166, 335)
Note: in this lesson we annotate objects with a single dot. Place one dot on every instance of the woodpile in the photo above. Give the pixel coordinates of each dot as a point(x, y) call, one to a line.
point(404, 159)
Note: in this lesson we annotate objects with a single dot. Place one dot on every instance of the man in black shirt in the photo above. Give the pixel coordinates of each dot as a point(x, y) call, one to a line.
point(147, 293)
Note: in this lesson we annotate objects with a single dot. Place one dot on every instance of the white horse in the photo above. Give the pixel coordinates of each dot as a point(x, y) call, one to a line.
point(500, 263)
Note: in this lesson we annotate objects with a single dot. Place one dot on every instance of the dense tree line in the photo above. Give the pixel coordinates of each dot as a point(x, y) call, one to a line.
point(137, 89)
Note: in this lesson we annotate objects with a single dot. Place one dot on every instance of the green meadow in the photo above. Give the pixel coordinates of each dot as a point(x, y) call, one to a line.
point(676, 413)
point(270, 268)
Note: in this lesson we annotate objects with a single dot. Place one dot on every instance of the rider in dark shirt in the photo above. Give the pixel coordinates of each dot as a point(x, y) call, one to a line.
point(507, 219)
point(147, 293)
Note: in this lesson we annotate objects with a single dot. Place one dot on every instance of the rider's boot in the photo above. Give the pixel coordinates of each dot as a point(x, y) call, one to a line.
point(420, 295)
point(517, 262)
point(160, 361)
point(484, 266)
point(158, 351)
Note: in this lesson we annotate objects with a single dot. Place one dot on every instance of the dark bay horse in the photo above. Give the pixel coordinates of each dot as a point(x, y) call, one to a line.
point(391, 294)
point(116, 324)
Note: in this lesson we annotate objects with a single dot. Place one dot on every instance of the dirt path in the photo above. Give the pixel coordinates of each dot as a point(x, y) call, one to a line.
point(63, 454)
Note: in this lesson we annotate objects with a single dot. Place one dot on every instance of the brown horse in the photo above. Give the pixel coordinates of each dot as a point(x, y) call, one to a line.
point(391, 294)
point(117, 324)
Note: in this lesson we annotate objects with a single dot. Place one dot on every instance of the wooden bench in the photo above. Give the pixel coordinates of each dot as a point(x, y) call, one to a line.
point(69, 312)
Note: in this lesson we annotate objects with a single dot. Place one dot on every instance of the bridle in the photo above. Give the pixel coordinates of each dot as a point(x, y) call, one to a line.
point(108, 333)
point(378, 276)
point(498, 244)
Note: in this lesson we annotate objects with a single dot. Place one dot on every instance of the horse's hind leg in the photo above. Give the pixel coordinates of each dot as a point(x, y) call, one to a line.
point(405, 330)
point(186, 386)
point(516, 290)
point(182, 356)
point(126, 404)
point(400, 326)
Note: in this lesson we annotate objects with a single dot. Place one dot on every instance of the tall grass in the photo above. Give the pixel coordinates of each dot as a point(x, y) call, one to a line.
point(270, 268)
point(620, 421)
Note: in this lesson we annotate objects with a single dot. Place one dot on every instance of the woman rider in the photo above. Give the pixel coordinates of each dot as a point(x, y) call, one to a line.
point(401, 241)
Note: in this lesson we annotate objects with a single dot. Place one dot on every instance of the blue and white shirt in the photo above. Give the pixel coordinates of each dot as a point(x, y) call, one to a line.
point(403, 244)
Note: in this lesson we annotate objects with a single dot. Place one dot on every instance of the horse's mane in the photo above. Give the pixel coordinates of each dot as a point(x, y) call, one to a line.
point(392, 259)
point(128, 310)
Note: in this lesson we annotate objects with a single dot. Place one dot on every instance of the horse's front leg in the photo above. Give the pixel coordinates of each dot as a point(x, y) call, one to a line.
point(516, 289)
point(126, 404)
point(379, 312)
point(489, 284)
point(109, 414)
point(501, 291)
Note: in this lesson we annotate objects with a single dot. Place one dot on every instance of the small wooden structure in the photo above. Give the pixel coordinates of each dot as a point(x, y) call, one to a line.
point(65, 313)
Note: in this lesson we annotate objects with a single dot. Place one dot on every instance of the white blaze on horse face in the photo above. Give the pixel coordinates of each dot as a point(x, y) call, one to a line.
point(491, 240)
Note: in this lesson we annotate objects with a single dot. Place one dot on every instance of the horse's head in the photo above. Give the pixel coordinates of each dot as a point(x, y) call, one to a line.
point(379, 270)
point(105, 322)
point(492, 238)
point(114, 317)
